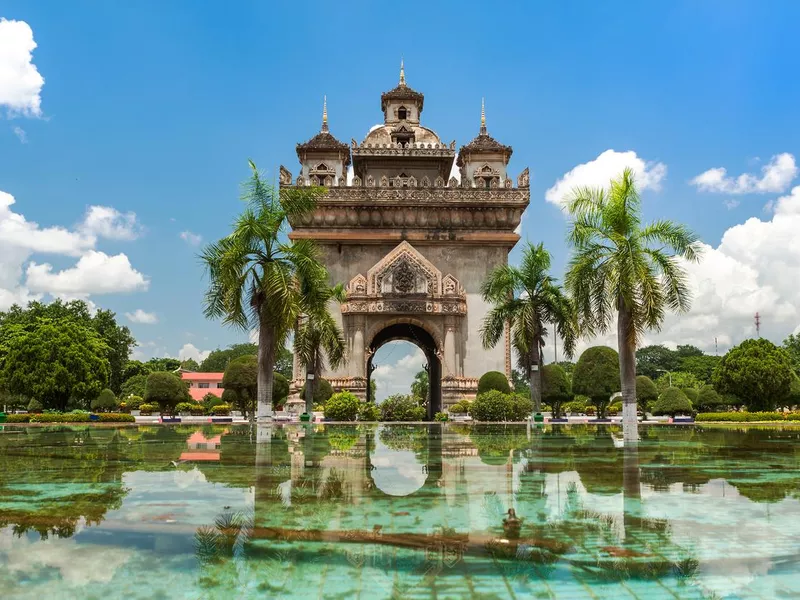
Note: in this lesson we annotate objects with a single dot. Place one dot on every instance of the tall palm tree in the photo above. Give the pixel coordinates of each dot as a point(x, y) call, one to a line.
point(527, 298)
point(318, 336)
point(254, 272)
point(621, 265)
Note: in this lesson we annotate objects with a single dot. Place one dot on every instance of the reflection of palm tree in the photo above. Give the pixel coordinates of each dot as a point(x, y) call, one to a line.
point(222, 541)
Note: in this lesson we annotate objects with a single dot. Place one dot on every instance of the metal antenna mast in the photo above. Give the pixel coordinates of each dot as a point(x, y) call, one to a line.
point(758, 325)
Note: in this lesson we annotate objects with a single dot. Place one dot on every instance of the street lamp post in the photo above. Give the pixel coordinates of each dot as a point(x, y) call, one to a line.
point(668, 373)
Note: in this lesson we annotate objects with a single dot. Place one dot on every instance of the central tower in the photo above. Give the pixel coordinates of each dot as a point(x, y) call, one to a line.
point(413, 230)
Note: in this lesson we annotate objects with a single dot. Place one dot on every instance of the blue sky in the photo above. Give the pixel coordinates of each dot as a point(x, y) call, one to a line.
point(153, 108)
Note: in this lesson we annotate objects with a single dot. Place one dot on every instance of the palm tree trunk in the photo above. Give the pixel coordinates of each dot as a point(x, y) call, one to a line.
point(266, 361)
point(536, 381)
point(627, 372)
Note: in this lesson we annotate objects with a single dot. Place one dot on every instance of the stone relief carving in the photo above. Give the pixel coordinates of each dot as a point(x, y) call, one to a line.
point(357, 286)
point(356, 181)
point(285, 177)
point(524, 179)
point(453, 183)
point(426, 182)
point(384, 181)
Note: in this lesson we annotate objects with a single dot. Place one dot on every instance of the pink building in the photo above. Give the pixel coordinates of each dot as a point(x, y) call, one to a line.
point(201, 384)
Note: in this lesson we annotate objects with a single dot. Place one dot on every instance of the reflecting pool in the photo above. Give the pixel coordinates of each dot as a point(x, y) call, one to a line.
point(399, 511)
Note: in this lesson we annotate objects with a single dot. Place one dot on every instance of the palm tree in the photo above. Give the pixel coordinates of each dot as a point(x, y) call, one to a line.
point(318, 336)
point(526, 298)
point(621, 265)
point(254, 272)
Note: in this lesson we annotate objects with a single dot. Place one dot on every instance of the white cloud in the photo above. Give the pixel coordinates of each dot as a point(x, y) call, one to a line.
point(143, 317)
point(193, 239)
point(20, 81)
point(600, 171)
point(108, 222)
point(188, 351)
point(95, 273)
point(20, 133)
point(731, 203)
point(776, 176)
point(395, 377)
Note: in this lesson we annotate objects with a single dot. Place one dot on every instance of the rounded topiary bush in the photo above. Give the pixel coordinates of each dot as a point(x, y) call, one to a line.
point(34, 406)
point(691, 394)
point(342, 406)
point(133, 402)
point(185, 407)
point(148, 409)
point(401, 407)
point(556, 388)
point(493, 380)
point(460, 407)
point(221, 410)
point(521, 408)
point(671, 402)
point(105, 402)
point(493, 405)
point(646, 392)
point(708, 399)
point(596, 375)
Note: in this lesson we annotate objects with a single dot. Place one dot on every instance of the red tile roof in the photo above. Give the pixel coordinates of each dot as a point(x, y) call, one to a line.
point(210, 377)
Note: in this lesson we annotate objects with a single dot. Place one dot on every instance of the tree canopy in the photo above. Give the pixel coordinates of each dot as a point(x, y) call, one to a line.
point(757, 372)
point(54, 360)
point(118, 339)
point(419, 387)
point(165, 389)
point(792, 346)
point(217, 360)
point(646, 390)
point(556, 388)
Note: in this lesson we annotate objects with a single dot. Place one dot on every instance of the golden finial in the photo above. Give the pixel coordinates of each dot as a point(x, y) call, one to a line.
point(324, 113)
point(402, 73)
point(483, 116)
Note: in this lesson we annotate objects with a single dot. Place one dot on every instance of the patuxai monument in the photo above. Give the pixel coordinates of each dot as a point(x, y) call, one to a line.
point(411, 242)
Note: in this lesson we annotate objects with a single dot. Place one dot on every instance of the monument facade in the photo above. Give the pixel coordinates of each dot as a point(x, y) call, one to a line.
point(412, 242)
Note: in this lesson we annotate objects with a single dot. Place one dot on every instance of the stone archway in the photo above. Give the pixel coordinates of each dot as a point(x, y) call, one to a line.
point(419, 336)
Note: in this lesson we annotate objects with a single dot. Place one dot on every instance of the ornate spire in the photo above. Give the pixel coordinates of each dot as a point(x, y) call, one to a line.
point(402, 74)
point(324, 113)
point(483, 117)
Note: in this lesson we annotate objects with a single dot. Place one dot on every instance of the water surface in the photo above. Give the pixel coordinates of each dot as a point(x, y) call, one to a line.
point(399, 511)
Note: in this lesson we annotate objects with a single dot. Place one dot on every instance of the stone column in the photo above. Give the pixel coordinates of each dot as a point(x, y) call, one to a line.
point(450, 348)
point(357, 356)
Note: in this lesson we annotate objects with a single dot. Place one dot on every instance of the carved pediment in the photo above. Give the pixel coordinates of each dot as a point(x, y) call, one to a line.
point(357, 286)
point(451, 286)
point(285, 177)
point(404, 271)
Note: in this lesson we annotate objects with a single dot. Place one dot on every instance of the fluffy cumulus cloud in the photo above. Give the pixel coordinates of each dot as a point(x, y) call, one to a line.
point(193, 239)
point(598, 173)
point(188, 351)
point(776, 177)
point(109, 223)
point(20, 80)
point(395, 376)
point(142, 317)
point(95, 272)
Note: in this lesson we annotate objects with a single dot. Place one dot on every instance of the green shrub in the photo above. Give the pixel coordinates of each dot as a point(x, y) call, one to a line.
point(367, 411)
point(401, 407)
point(692, 394)
point(18, 418)
point(60, 418)
point(577, 405)
point(521, 407)
point(342, 407)
point(614, 408)
point(646, 392)
point(211, 400)
point(708, 399)
point(746, 417)
point(460, 407)
point(34, 406)
point(133, 402)
point(441, 417)
point(671, 402)
point(105, 401)
point(148, 409)
point(794, 416)
point(493, 406)
point(221, 410)
point(493, 380)
point(186, 407)
point(116, 418)
point(165, 389)
point(322, 391)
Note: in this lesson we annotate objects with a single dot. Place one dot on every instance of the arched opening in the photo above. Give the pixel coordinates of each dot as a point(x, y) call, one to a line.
point(424, 341)
point(402, 113)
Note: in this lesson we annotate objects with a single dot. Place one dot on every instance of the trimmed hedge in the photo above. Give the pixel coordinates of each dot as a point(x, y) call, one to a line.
point(18, 418)
point(221, 410)
point(747, 417)
point(342, 407)
point(497, 406)
point(671, 402)
point(78, 417)
point(186, 407)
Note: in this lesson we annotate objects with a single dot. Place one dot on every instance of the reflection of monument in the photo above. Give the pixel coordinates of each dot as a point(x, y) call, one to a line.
point(412, 241)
